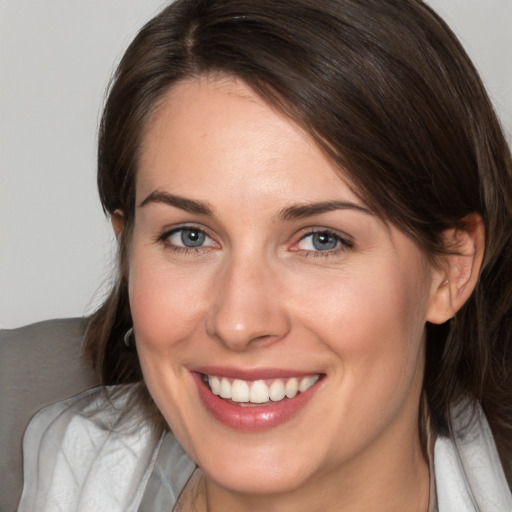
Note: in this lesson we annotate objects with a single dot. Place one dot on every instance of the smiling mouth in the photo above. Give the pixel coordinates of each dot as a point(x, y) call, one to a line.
point(255, 400)
point(260, 392)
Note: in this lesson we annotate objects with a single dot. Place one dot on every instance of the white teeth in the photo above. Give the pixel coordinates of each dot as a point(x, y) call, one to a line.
point(225, 388)
point(307, 382)
point(239, 391)
point(214, 383)
point(276, 391)
point(259, 392)
point(292, 388)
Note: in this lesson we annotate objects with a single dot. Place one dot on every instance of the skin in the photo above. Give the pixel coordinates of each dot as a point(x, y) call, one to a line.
point(258, 294)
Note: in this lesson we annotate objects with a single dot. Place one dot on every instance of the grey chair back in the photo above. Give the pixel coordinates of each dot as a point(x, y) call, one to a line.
point(40, 364)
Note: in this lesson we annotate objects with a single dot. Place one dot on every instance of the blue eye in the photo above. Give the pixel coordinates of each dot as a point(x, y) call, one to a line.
point(188, 238)
point(192, 237)
point(321, 241)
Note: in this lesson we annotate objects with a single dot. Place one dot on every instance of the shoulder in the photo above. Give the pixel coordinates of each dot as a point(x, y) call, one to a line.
point(89, 420)
point(468, 470)
point(86, 454)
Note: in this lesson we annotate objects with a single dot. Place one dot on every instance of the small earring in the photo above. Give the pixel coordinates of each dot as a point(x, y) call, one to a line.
point(445, 282)
point(128, 338)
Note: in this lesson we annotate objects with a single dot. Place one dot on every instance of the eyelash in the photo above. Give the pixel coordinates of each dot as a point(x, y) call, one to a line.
point(343, 244)
point(164, 239)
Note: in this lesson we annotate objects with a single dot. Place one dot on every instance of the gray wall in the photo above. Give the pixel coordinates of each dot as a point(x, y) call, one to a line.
point(55, 60)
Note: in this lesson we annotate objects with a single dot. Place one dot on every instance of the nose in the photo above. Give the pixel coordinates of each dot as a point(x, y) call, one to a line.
point(248, 308)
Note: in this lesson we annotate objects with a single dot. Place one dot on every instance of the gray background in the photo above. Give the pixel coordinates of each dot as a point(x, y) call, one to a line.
point(56, 57)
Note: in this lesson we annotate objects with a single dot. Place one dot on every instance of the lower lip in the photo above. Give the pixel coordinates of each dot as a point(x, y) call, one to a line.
point(251, 418)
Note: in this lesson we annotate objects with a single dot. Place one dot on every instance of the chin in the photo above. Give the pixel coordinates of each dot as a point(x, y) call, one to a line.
point(261, 478)
point(264, 469)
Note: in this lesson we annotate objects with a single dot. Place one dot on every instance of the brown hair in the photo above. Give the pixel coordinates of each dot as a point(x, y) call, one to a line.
point(387, 91)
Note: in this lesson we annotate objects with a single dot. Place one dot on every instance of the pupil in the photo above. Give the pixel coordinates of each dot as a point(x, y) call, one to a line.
point(324, 241)
point(192, 237)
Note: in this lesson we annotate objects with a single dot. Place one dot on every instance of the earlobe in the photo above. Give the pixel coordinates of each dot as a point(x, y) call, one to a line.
point(117, 220)
point(457, 274)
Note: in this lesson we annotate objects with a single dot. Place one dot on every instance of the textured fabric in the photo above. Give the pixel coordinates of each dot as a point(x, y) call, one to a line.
point(79, 457)
point(40, 364)
point(172, 470)
point(469, 476)
point(85, 455)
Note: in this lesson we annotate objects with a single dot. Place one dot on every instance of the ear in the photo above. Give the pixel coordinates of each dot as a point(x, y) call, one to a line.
point(117, 220)
point(456, 275)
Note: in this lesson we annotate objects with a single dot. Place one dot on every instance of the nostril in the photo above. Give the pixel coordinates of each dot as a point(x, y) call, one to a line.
point(263, 337)
point(239, 325)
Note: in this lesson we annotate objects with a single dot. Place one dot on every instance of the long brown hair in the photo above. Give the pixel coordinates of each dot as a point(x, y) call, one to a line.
point(387, 91)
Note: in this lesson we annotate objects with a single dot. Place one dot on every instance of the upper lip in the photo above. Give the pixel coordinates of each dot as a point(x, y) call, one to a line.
point(252, 374)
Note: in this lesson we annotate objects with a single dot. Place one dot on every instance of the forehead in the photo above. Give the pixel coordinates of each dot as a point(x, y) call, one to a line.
point(211, 130)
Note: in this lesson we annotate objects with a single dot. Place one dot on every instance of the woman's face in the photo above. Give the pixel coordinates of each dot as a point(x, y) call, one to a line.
point(253, 265)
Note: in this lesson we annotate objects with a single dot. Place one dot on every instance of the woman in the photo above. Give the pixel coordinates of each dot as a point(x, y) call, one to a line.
point(313, 203)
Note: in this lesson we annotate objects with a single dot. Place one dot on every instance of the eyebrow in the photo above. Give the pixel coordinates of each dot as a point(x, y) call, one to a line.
point(300, 211)
point(293, 212)
point(188, 205)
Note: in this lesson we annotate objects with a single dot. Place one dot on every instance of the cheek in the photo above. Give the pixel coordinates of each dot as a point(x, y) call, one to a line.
point(166, 305)
point(167, 309)
point(373, 326)
point(371, 318)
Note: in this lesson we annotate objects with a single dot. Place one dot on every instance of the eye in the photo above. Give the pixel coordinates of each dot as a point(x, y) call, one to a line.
point(188, 237)
point(322, 242)
point(184, 238)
